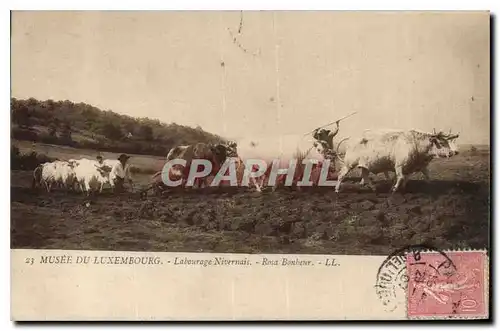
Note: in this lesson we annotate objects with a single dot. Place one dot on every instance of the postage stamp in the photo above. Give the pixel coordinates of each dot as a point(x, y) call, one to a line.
point(451, 286)
point(431, 283)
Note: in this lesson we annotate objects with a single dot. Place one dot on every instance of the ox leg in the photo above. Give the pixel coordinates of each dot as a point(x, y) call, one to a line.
point(386, 174)
point(400, 178)
point(113, 187)
point(407, 178)
point(256, 184)
point(280, 182)
point(260, 182)
point(253, 182)
point(88, 189)
point(259, 186)
point(276, 184)
point(425, 172)
point(366, 178)
point(404, 182)
point(363, 181)
point(343, 172)
point(81, 188)
point(388, 177)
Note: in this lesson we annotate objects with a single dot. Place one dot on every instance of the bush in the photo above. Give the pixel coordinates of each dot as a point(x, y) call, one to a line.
point(28, 161)
point(24, 134)
point(48, 139)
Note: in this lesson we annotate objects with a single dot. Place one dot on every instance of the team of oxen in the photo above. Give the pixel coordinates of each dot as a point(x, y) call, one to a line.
point(83, 175)
point(403, 152)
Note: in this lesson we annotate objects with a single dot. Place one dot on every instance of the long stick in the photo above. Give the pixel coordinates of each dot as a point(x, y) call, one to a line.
point(343, 118)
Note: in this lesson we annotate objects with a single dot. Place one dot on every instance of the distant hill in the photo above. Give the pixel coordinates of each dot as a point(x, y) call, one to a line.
point(85, 126)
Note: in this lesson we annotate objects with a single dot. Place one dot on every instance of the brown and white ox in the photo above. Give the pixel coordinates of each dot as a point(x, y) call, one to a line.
point(402, 151)
point(216, 154)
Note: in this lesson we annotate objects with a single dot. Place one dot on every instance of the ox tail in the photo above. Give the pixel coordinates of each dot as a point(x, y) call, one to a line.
point(37, 177)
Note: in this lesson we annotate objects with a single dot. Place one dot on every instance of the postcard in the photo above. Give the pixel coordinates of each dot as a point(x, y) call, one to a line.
point(250, 165)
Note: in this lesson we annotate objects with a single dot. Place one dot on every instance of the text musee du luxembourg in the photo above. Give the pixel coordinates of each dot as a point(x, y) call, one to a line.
point(182, 261)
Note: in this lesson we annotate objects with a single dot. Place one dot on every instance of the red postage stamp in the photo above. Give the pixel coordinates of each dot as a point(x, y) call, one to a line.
point(451, 284)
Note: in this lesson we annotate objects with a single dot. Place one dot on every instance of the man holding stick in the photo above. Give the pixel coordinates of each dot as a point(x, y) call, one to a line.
point(324, 137)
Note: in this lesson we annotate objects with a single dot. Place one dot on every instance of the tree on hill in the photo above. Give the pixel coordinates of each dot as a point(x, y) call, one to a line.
point(52, 129)
point(105, 130)
point(146, 132)
point(20, 113)
point(66, 132)
point(111, 131)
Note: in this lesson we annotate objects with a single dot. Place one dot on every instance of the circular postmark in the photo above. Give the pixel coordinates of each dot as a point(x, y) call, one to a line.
point(393, 275)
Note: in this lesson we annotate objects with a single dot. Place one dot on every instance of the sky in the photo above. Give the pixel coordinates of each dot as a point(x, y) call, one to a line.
point(287, 73)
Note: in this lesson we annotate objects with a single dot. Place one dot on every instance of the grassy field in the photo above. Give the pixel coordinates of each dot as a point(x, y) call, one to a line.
point(452, 211)
point(147, 163)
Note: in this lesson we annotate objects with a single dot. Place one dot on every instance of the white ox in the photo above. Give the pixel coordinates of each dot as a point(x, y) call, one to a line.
point(60, 173)
point(65, 174)
point(402, 151)
point(90, 175)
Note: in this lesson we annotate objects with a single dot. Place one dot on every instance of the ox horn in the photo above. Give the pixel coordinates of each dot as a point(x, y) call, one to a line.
point(450, 136)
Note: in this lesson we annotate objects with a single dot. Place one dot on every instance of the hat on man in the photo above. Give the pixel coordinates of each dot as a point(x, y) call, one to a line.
point(124, 157)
